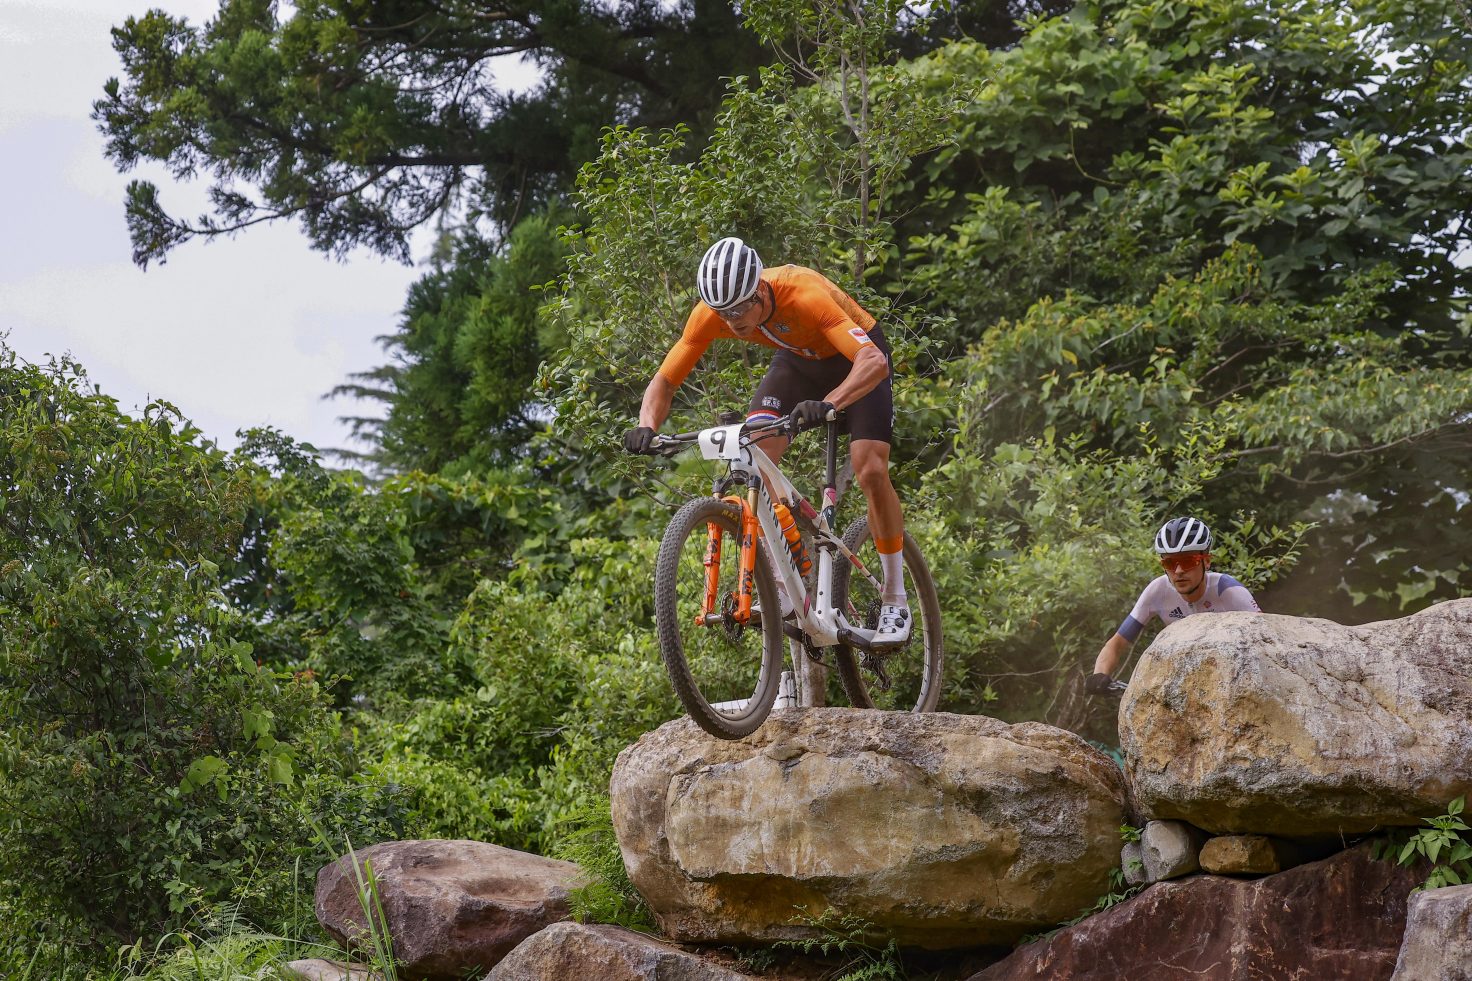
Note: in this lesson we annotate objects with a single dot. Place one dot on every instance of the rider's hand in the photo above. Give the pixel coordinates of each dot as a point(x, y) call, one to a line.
point(639, 441)
point(806, 415)
point(1098, 683)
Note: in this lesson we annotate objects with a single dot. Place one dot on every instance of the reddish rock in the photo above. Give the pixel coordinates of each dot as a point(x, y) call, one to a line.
point(1342, 917)
point(451, 906)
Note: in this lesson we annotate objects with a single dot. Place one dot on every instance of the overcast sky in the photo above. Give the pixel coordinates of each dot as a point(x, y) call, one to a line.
point(237, 332)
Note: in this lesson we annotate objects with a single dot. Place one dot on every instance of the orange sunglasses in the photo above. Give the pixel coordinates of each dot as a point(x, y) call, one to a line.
point(1186, 560)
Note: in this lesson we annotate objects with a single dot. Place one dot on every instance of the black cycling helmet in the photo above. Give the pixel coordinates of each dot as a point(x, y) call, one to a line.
point(1183, 535)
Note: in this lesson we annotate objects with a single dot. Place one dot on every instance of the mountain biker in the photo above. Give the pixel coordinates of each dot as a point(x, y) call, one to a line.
point(1188, 587)
point(829, 355)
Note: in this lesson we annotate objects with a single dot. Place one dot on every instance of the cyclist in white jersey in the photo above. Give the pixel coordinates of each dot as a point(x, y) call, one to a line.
point(1188, 587)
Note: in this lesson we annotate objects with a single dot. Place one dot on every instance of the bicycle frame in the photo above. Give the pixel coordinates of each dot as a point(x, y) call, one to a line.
point(817, 617)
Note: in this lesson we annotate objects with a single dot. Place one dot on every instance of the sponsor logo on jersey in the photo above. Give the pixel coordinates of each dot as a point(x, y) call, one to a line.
point(860, 335)
point(771, 401)
point(1177, 614)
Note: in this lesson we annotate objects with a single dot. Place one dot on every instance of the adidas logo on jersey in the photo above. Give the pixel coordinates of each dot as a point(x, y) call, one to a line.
point(1177, 614)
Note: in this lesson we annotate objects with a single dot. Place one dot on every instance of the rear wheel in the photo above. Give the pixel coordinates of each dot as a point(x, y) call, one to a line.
point(725, 674)
point(905, 678)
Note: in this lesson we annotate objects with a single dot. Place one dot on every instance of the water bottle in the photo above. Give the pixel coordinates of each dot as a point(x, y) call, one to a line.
point(795, 547)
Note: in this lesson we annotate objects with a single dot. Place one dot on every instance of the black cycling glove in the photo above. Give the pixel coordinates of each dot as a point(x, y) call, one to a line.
point(639, 441)
point(811, 413)
point(1098, 683)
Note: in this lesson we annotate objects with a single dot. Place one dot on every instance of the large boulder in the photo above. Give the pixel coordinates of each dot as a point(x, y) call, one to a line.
point(451, 906)
point(1438, 939)
point(1337, 918)
point(938, 830)
point(566, 951)
point(1260, 724)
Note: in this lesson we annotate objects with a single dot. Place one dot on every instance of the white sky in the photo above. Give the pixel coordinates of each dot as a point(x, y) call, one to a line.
point(238, 332)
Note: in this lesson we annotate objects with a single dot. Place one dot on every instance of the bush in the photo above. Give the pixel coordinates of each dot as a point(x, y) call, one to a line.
point(149, 768)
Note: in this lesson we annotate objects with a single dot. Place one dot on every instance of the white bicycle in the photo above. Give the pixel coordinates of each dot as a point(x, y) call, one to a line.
point(716, 599)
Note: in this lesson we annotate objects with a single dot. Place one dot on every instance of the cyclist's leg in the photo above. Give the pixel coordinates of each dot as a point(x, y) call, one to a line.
point(871, 428)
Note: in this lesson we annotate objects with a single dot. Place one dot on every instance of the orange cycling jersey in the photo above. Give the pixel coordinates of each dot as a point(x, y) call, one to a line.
point(812, 318)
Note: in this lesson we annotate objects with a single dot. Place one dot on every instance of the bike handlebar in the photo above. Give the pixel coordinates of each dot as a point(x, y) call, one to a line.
point(675, 442)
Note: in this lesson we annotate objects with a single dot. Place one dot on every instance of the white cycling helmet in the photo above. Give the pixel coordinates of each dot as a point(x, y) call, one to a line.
point(729, 273)
point(1183, 535)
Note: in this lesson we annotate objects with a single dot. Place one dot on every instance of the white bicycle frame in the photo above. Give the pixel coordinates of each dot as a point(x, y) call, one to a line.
point(822, 622)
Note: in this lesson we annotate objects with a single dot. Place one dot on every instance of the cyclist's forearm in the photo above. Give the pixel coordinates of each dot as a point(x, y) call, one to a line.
point(1111, 654)
point(658, 398)
point(870, 368)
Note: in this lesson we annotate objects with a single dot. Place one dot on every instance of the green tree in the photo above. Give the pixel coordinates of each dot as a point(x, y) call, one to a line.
point(365, 120)
point(457, 394)
point(149, 768)
point(1130, 144)
point(1135, 139)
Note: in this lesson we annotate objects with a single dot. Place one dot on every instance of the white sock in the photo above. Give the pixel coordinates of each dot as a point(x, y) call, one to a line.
point(894, 578)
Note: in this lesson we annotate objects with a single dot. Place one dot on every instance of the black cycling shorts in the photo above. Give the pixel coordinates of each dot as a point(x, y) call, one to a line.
point(791, 379)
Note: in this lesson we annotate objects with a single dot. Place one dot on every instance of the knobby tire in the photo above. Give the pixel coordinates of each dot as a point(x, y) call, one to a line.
point(672, 621)
point(926, 643)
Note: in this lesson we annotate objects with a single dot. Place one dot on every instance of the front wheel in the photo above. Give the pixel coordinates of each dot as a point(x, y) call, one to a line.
point(902, 679)
point(725, 674)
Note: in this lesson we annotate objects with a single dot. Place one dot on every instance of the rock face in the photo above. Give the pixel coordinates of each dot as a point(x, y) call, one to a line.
point(606, 953)
point(940, 830)
point(450, 905)
point(1261, 724)
point(1338, 918)
point(1438, 940)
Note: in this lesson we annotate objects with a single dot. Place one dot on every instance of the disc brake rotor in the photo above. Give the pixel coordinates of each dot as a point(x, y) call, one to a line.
point(734, 630)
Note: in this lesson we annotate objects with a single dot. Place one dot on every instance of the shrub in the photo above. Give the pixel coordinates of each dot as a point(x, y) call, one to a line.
point(148, 766)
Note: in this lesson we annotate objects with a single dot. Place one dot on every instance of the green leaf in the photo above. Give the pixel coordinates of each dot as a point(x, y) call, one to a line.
point(202, 772)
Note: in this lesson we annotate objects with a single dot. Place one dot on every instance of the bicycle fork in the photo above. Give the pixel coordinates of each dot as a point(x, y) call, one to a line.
point(746, 562)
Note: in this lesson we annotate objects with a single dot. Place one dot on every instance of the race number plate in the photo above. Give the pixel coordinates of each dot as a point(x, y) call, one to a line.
point(721, 443)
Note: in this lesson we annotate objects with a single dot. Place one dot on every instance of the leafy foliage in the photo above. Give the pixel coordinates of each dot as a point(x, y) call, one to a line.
point(1132, 140)
point(609, 897)
point(1442, 843)
point(139, 734)
point(866, 957)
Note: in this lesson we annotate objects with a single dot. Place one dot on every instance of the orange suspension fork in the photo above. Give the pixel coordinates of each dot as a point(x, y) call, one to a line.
point(751, 530)
point(746, 563)
point(712, 572)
